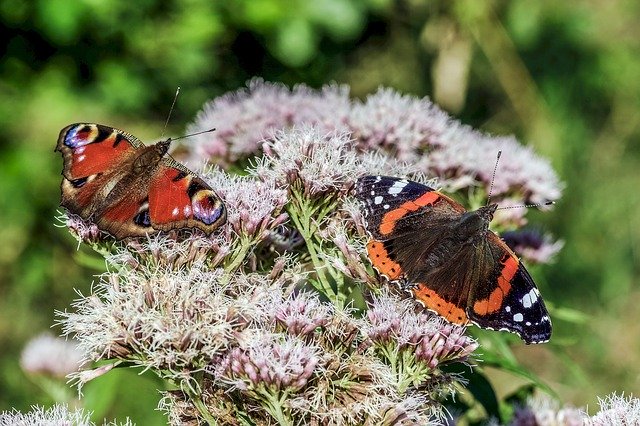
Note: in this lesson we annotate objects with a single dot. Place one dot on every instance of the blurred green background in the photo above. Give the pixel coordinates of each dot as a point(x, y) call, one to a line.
point(562, 76)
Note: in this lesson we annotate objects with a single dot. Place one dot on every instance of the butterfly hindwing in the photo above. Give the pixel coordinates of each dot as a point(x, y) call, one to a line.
point(180, 199)
point(509, 299)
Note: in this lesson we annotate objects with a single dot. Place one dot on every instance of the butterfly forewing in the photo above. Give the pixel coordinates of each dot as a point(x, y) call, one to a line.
point(514, 304)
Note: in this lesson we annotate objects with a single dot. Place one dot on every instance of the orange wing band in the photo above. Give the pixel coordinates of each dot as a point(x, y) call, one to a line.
point(494, 302)
point(433, 302)
point(389, 220)
point(381, 260)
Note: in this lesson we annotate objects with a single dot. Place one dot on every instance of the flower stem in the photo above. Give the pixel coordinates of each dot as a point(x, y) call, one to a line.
point(274, 406)
point(305, 217)
point(202, 409)
point(239, 255)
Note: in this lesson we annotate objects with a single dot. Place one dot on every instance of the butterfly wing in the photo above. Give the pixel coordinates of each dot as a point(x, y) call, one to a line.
point(507, 298)
point(180, 199)
point(407, 222)
point(91, 153)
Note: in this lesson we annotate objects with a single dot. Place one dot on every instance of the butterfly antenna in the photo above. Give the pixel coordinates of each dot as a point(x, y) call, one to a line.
point(193, 134)
point(493, 176)
point(548, 203)
point(173, 104)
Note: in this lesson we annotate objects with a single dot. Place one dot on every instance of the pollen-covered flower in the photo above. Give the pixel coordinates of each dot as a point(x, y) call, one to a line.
point(245, 118)
point(51, 356)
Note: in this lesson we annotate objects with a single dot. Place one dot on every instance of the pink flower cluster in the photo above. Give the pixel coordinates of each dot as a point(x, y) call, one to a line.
point(408, 129)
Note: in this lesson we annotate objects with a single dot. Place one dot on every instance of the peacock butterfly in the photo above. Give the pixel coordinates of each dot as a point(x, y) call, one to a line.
point(129, 189)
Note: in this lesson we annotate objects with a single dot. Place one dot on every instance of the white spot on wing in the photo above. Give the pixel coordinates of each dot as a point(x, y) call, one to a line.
point(377, 200)
point(518, 317)
point(386, 207)
point(396, 188)
point(81, 157)
point(175, 211)
point(530, 298)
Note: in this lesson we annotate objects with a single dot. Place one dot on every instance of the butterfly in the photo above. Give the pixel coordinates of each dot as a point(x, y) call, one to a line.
point(129, 189)
point(453, 263)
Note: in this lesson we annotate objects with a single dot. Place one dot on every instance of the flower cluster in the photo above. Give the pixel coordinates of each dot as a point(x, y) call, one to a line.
point(258, 338)
point(243, 119)
point(543, 411)
point(405, 128)
point(56, 415)
point(277, 316)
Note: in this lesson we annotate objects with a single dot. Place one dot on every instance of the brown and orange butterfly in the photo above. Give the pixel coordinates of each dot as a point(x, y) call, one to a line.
point(449, 259)
point(129, 189)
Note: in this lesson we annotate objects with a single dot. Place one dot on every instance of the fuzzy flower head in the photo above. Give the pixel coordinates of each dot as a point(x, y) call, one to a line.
point(51, 356)
point(432, 340)
point(271, 362)
point(245, 118)
point(82, 230)
point(57, 415)
point(616, 410)
point(254, 206)
point(318, 161)
point(160, 318)
point(302, 313)
point(404, 126)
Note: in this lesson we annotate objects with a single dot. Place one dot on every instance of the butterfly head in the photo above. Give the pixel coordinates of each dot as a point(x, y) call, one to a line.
point(475, 224)
point(162, 147)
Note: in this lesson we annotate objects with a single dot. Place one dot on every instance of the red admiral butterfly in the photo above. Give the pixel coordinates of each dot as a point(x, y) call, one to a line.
point(455, 266)
point(129, 189)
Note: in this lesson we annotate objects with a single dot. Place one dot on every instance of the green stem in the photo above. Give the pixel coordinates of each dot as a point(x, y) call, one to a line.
point(305, 215)
point(202, 409)
point(238, 257)
point(274, 406)
point(302, 220)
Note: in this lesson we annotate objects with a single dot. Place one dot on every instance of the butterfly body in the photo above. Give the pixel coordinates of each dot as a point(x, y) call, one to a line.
point(453, 263)
point(129, 189)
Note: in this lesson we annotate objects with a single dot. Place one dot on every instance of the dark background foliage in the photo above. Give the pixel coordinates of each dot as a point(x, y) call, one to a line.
point(562, 76)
